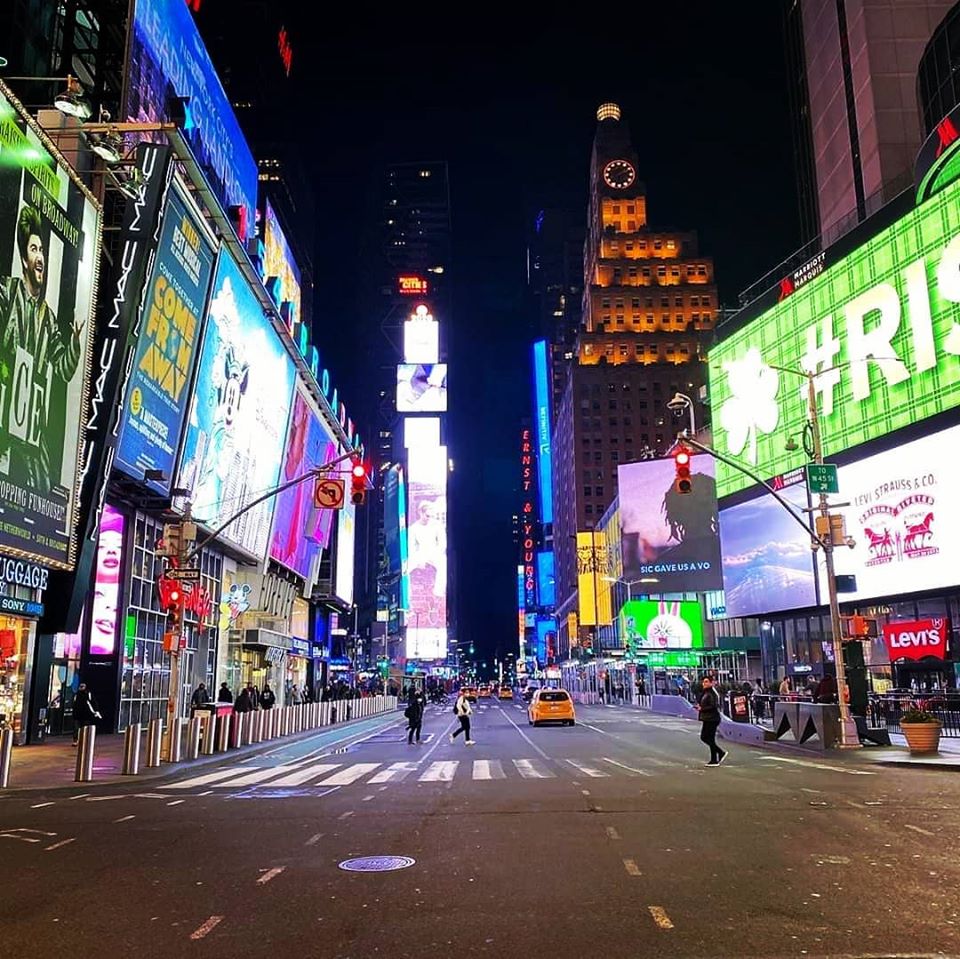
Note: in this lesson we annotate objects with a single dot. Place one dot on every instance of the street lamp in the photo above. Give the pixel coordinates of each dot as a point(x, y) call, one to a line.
point(679, 402)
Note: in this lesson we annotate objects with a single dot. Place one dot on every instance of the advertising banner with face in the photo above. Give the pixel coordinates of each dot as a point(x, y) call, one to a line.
point(670, 538)
point(662, 625)
point(49, 239)
point(237, 425)
point(300, 530)
point(106, 593)
point(169, 336)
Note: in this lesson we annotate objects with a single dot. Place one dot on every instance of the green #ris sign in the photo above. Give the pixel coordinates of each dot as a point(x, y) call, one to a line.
point(881, 328)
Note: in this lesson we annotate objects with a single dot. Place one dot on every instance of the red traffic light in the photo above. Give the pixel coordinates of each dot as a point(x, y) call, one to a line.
point(358, 483)
point(359, 471)
point(683, 483)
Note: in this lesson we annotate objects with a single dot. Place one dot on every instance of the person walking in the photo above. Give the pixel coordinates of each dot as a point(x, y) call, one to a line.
point(414, 713)
point(268, 698)
point(200, 696)
point(462, 711)
point(224, 695)
point(785, 689)
point(85, 712)
point(709, 709)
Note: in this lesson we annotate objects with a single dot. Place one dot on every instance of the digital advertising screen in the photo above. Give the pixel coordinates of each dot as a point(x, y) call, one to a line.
point(404, 540)
point(427, 549)
point(669, 537)
point(49, 247)
point(904, 518)
point(170, 332)
point(106, 591)
point(546, 578)
point(662, 624)
point(278, 261)
point(421, 431)
point(237, 425)
point(421, 339)
point(879, 326)
point(168, 58)
point(346, 546)
point(767, 560)
point(300, 530)
point(391, 519)
point(422, 388)
point(541, 397)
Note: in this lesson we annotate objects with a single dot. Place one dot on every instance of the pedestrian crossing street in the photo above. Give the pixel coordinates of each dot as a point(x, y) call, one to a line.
point(324, 774)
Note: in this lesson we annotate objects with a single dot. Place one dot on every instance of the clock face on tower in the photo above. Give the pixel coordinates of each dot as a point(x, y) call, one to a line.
point(619, 174)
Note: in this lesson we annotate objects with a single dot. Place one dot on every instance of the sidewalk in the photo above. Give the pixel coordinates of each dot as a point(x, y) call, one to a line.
point(52, 764)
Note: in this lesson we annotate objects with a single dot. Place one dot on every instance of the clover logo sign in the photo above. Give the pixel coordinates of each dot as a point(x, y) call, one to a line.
point(752, 405)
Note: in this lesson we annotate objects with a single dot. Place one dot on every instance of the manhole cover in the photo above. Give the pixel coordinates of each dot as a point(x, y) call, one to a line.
point(376, 863)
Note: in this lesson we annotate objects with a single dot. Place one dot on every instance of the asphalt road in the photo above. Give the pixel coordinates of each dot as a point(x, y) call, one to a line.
point(608, 839)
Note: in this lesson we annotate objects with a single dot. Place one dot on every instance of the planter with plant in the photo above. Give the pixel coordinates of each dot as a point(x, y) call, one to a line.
point(921, 730)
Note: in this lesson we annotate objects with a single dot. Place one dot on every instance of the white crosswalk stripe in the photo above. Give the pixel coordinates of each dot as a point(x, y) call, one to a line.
point(203, 780)
point(531, 769)
point(589, 770)
point(440, 772)
point(254, 777)
point(395, 773)
point(488, 769)
point(349, 775)
point(304, 775)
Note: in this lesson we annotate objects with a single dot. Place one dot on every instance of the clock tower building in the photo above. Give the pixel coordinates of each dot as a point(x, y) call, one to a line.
point(648, 305)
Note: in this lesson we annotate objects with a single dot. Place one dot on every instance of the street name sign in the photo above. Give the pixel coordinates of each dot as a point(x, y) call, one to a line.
point(822, 478)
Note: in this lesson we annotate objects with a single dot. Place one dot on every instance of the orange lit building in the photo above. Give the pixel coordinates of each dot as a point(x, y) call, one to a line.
point(649, 303)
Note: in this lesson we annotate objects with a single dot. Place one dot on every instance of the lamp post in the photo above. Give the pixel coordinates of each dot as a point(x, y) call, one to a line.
point(681, 401)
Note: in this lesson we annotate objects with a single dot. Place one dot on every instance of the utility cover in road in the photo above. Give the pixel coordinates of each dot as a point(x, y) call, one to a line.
point(328, 494)
point(377, 863)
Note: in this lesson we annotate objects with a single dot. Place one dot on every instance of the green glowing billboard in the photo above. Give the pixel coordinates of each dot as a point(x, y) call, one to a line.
point(881, 328)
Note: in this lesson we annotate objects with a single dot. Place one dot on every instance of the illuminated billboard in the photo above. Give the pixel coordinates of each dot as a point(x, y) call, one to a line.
point(880, 329)
point(49, 253)
point(592, 564)
point(421, 431)
point(546, 578)
point(422, 388)
point(421, 338)
point(663, 624)
point(541, 397)
point(410, 285)
point(238, 413)
point(670, 538)
point(427, 560)
point(300, 530)
point(278, 261)
point(904, 518)
point(346, 546)
point(106, 591)
point(767, 560)
point(392, 479)
point(168, 59)
point(170, 331)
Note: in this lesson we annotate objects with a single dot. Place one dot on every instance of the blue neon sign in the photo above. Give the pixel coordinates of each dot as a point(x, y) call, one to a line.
point(544, 455)
point(546, 578)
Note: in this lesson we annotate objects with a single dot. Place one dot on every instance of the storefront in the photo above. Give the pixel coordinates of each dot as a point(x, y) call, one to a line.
point(296, 672)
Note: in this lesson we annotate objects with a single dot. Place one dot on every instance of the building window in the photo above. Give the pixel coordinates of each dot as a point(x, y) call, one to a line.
point(588, 509)
point(671, 245)
point(598, 490)
point(658, 244)
point(694, 300)
point(701, 270)
point(616, 208)
point(631, 225)
point(615, 456)
point(588, 491)
point(678, 301)
point(630, 208)
point(661, 272)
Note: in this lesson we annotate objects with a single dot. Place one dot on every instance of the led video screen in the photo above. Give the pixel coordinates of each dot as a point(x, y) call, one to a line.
point(421, 340)
point(278, 261)
point(422, 388)
point(662, 624)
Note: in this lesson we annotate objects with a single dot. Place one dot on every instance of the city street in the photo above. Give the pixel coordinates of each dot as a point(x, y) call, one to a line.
point(609, 838)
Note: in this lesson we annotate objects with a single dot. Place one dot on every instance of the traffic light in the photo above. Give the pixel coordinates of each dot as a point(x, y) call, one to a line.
point(358, 483)
point(682, 483)
point(171, 606)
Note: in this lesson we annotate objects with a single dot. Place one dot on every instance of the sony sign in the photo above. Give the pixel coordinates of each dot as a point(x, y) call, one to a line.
point(917, 639)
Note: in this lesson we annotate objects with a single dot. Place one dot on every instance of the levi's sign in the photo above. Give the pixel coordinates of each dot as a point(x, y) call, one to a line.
point(916, 639)
point(880, 328)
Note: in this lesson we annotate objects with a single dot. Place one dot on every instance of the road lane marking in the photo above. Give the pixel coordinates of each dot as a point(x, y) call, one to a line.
point(586, 792)
point(395, 772)
point(925, 832)
point(488, 769)
point(632, 868)
point(105, 798)
point(660, 917)
point(80, 796)
point(270, 874)
point(307, 772)
point(349, 775)
point(209, 792)
point(440, 772)
point(525, 736)
point(206, 927)
point(345, 815)
point(314, 839)
point(589, 770)
point(57, 845)
point(531, 769)
point(125, 818)
point(255, 777)
point(176, 802)
point(633, 769)
point(612, 833)
point(204, 780)
point(367, 798)
point(806, 762)
point(40, 805)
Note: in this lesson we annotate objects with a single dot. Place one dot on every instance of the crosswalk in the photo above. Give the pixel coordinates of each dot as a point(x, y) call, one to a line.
point(324, 774)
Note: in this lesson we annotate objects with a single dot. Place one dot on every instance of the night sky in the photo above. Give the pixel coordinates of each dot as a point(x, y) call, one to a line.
point(511, 106)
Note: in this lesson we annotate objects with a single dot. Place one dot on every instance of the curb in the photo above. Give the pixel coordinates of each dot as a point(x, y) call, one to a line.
point(170, 769)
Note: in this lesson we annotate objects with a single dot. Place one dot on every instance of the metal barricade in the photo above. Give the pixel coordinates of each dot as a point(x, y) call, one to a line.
point(193, 737)
point(208, 725)
point(86, 744)
point(154, 742)
point(131, 750)
point(6, 752)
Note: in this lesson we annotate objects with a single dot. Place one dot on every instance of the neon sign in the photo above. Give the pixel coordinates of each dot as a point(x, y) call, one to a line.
point(286, 51)
point(412, 286)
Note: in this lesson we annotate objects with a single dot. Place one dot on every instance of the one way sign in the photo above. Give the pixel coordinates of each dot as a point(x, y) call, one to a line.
point(328, 493)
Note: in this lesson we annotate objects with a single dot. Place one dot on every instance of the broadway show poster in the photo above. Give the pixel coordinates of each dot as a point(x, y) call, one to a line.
point(237, 424)
point(170, 328)
point(300, 530)
point(49, 240)
point(670, 539)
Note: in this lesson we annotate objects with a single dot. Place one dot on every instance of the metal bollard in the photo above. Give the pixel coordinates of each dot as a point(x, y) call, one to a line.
point(208, 743)
point(85, 747)
point(223, 733)
point(6, 751)
point(315, 718)
point(261, 722)
point(236, 740)
point(176, 741)
point(131, 750)
point(193, 737)
point(154, 742)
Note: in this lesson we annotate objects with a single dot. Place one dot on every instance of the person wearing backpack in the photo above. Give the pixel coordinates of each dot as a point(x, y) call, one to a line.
point(709, 710)
point(414, 714)
point(462, 710)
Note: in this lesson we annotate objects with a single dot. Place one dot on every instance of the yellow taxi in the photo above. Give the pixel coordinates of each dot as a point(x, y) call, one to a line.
point(506, 692)
point(551, 706)
point(484, 691)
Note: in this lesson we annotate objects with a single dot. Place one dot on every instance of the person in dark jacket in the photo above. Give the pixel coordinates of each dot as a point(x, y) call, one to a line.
point(709, 709)
point(200, 696)
point(85, 712)
point(268, 698)
point(244, 702)
point(827, 690)
point(414, 713)
point(224, 695)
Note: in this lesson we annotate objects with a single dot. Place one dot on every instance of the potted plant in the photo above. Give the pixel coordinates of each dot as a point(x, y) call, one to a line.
point(921, 730)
